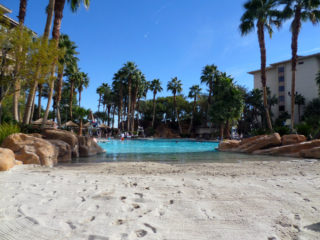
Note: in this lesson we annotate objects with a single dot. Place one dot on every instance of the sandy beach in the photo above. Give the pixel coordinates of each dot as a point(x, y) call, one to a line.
point(107, 201)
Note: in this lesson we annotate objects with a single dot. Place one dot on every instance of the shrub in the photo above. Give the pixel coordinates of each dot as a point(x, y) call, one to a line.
point(304, 129)
point(150, 131)
point(259, 131)
point(282, 130)
point(8, 129)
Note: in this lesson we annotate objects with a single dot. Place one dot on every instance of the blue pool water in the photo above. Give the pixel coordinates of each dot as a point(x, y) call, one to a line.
point(169, 151)
point(158, 146)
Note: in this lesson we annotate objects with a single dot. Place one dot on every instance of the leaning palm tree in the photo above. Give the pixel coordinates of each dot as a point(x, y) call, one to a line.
point(207, 77)
point(17, 84)
point(264, 15)
point(175, 86)
point(58, 14)
point(194, 92)
point(155, 87)
point(300, 11)
point(82, 83)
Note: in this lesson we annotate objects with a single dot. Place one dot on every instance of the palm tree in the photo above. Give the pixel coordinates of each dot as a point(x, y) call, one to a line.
point(31, 96)
point(300, 11)
point(175, 86)
point(155, 87)
point(17, 84)
point(58, 14)
point(264, 15)
point(207, 77)
point(130, 69)
point(194, 92)
point(82, 83)
point(299, 100)
point(100, 91)
point(68, 58)
point(74, 75)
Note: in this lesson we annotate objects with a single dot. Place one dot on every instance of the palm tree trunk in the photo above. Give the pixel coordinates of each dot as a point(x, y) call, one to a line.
point(176, 110)
point(133, 108)
point(79, 98)
point(221, 131)
point(71, 99)
point(192, 116)
point(209, 102)
point(294, 49)
point(129, 105)
point(113, 112)
point(80, 128)
point(17, 84)
point(263, 71)
point(120, 110)
point(58, 11)
point(58, 96)
point(154, 109)
point(39, 100)
point(30, 100)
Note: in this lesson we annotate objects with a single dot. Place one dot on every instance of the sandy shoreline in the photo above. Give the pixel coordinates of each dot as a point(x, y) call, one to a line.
point(250, 200)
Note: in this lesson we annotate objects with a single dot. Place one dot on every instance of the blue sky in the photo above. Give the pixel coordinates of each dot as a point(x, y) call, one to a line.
point(165, 38)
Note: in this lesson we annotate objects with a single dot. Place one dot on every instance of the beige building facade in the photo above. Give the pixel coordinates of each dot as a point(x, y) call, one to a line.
point(279, 77)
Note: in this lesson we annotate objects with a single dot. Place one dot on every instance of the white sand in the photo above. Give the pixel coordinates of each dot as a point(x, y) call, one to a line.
point(252, 200)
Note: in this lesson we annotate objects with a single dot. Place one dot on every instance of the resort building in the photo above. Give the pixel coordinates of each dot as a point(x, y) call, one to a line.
point(4, 18)
point(279, 76)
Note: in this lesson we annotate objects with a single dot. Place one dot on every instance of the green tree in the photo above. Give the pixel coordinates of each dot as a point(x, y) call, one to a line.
point(227, 102)
point(208, 75)
point(194, 92)
point(264, 15)
point(175, 86)
point(300, 11)
point(68, 58)
point(83, 82)
point(74, 75)
point(155, 87)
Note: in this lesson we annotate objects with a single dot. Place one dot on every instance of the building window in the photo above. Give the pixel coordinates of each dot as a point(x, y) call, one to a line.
point(281, 98)
point(300, 63)
point(281, 89)
point(281, 79)
point(281, 70)
point(281, 108)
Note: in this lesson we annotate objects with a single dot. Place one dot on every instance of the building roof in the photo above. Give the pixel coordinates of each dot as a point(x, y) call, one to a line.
point(286, 61)
point(13, 23)
point(5, 9)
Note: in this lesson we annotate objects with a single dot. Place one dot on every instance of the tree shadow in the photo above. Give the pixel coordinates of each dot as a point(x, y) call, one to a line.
point(314, 227)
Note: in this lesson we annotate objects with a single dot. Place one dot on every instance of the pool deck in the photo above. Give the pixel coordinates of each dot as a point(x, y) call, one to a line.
point(249, 200)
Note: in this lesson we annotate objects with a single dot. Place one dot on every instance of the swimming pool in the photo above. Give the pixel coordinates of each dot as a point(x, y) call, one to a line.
point(158, 146)
point(169, 151)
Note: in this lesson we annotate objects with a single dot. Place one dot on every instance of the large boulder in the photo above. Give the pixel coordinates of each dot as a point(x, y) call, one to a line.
point(7, 159)
point(31, 150)
point(292, 139)
point(259, 142)
point(88, 147)
point(292, 150)
point(228, 144)
point(63, 150)
point(311, 153)
point(65, 136)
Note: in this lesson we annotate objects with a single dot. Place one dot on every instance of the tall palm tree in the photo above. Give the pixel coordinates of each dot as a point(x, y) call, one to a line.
point(82, 83)
point(194, 92)
point(58, 14)
point(207, 77)
point(175, 86)
point(68, 58)
point(118, 88)
point(100, 91)
point(17, 84)
point(264, 15)
point(130, 69)
point(300, 11)
point(74, 76)
point(155, 87)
